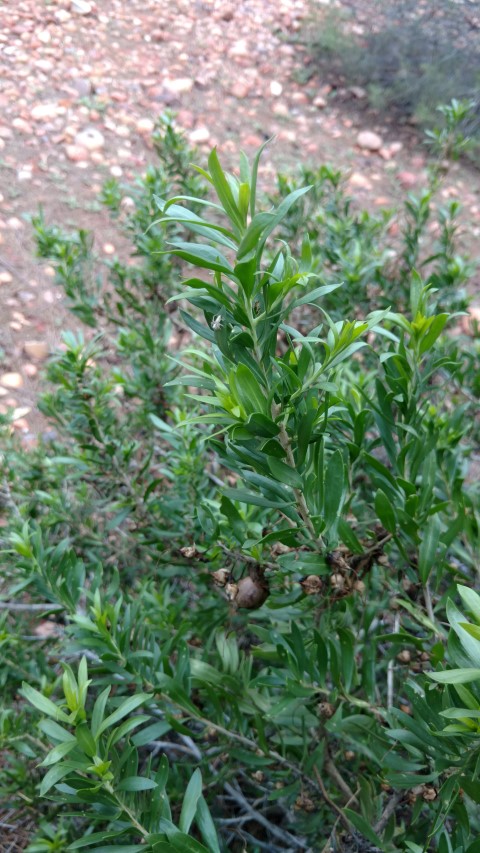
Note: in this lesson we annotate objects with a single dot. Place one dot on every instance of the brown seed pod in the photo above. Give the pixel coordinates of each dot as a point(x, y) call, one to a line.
point(404, 656)
point(429, 794)
point(189, 551)
point(231, 591)
point(251, 593)
point(337, 581)
point(280, 548)
point(326, 709)
point(360, 587)
point(311, 585)
point(220, 577)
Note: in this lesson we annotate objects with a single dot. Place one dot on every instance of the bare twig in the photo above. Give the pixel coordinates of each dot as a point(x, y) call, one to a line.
point(281, 834)
point(336, 777)
point(388, 811)
point(329, 801)
point(331, 837)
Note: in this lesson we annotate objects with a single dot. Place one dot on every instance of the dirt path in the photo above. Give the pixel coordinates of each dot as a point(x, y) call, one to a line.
point(81, 84)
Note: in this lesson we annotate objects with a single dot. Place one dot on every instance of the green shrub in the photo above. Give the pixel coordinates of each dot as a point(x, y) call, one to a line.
point(410, 56)
point(244, 581)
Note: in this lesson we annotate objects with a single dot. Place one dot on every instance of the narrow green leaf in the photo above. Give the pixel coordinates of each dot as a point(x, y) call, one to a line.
point(136, 783)
point(46, 706)
point(427, 553)
point(363, 826)
point(125, 708)
point(206, 826)
point(190, 800)
point(455, 676)
point(285, 473)
point(334, 488)
point(385, 511)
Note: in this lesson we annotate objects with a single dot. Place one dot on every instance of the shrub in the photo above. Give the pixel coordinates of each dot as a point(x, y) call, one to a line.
point(409, 56)
point(244, 582)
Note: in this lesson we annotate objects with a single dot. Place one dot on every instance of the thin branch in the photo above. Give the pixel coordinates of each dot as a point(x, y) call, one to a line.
point(339, 781)
point(329, 801)
point(327, 847)
point(281, 834)
point(388, 811)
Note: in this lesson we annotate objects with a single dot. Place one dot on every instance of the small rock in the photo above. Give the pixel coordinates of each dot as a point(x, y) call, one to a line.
point(22, 126)
point(358, 92)
point(116, 171)
point(320, 102)
point(179, 85)
point(276, 89)
point(359, 181)
point(280, 109)
point(37, 350)
point(83, 86)
point(252, 140)
point(5, 277)
point(44, 37)
point(62, 16)
point(408, 180)
point(44, 112)
point(15, 223)
point(11, 380)
point(240, 90)
point(76, 153)
point(30, 370)
point(109, 248)
point(90, 138)
point(81, 7)
point(199, 135)
point(5, 132)
point(145, 125)
point(395, 147)
point(369, 140)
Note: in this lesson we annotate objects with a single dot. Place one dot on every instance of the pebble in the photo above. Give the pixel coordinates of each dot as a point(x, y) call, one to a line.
point(369, 141)
point(76, 153)
point(240, 90)
point(90, 138)
point(5, 277)
point(15, 223)
point(359, 181)
point(30, 370)
point(109, 248)
point(320, 102)
point(276, 89)
point(36, 350)
point(145, 125)
point(408, 180)
point(11, 380)
point(199, 135)
point(179, 86)
point(45, 112)
point(81, 7)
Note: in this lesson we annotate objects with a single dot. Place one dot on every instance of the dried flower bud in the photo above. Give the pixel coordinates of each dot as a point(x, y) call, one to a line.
point(280, 548)
point(326, 709)
point(304, 803)
point(311, 585)
point(429, 794)
point(258, 776)
point(359, 586)
point(231, 591)
point(349, 755)
point(337, 581)
point(189, 551)
point(404, 656)
point(220, 577)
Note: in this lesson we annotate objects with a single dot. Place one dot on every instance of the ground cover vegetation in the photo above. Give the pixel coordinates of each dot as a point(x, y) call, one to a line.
point(408, 55)
point(237, 606)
